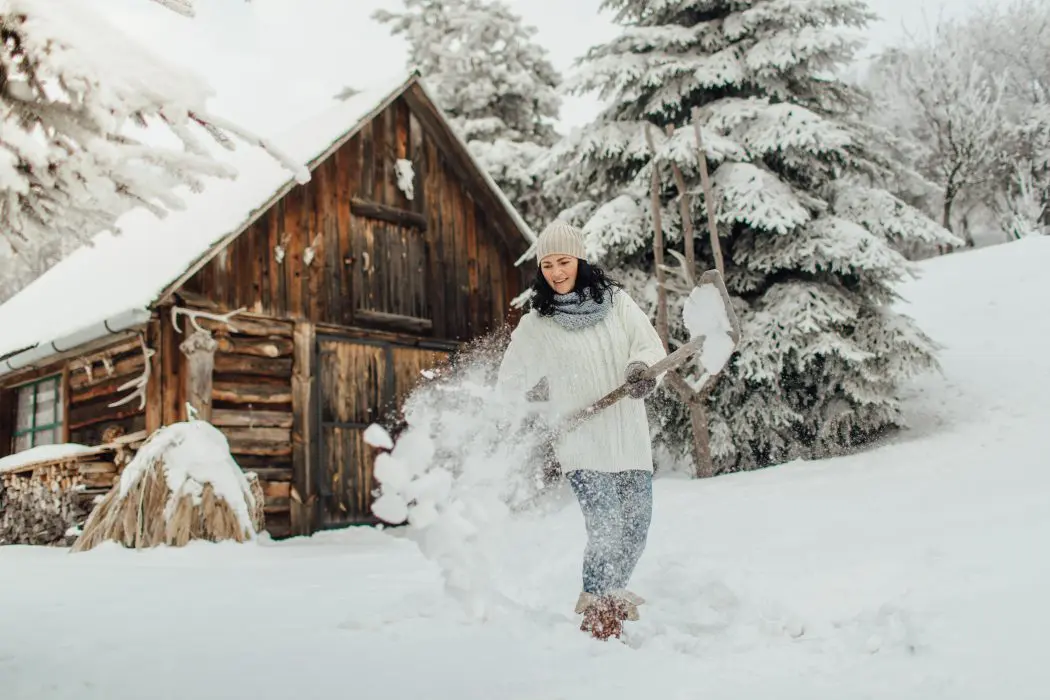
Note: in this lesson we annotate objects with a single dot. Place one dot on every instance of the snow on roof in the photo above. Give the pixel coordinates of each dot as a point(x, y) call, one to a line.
point(128, 271)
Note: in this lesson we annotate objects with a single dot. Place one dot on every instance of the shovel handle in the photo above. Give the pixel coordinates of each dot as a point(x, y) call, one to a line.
point(670, 361)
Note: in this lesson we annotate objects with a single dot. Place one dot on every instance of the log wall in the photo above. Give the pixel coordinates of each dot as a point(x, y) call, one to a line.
point(88, 418)
point(252, 404)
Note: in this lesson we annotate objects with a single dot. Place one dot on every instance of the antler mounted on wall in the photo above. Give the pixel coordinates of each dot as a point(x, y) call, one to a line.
point(194, 314)
point(139, 383)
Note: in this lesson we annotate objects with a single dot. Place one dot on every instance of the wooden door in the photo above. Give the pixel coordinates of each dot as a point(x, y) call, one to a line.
point(357, 383)
point(389, 262)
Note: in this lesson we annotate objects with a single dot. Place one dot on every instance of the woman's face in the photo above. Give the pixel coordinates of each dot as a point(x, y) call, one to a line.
point(560, 272)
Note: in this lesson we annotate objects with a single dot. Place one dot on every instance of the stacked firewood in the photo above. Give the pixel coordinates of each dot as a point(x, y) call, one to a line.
point(46, 503)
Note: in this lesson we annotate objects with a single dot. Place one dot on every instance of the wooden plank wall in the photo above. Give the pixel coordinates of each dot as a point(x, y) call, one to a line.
point(359, 383)
point(350, 241)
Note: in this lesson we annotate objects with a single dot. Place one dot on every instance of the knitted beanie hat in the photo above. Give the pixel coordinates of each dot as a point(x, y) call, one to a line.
point(560, 238)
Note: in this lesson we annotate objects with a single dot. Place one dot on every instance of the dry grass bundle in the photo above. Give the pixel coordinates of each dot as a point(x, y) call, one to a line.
point(182, 485)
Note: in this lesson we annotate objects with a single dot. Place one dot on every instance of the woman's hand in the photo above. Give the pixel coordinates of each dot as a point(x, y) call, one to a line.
point(637, 386)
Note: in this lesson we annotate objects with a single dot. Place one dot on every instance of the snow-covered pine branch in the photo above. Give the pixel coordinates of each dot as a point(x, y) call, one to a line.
point(94, 125)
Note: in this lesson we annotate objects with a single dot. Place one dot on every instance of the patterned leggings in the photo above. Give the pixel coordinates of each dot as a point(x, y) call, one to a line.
point(617, 509)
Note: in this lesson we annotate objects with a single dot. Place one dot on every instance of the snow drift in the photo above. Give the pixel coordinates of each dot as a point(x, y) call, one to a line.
point(912, 571)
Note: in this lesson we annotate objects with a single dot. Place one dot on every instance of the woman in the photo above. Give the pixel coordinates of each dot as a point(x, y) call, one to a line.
point(585, 337)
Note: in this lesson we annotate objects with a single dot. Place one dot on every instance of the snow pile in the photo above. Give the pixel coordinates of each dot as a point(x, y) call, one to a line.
point(704, 314)
point(192, 455)
point(42, 453)
point(469, 456)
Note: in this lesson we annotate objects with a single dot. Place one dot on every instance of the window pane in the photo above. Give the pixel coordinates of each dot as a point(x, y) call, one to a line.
point(45, 412)
point(58, 418)
point(43, 437)
point(22, 442)
point(24, 418)
point(45, 391)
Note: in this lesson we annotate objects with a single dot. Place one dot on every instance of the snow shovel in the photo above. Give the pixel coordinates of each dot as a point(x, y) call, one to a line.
point(699, 322)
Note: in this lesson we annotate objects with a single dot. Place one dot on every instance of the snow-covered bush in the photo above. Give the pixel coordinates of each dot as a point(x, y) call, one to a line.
point(965, 103)
point(811, 267)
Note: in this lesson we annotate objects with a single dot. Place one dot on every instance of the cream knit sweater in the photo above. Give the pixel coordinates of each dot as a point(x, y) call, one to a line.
point(581, 366)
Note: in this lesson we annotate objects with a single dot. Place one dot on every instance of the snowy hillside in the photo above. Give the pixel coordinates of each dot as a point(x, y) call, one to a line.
point(914, 570)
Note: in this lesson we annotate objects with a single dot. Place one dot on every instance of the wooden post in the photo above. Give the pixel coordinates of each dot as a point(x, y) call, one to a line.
point(302, 493)
point(199, 350)
point(155, 389)
point(709, 202)
point(658, 244)
point(685, 210)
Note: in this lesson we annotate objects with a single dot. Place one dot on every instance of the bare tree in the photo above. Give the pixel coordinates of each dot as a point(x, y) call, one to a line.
point(958, 116)
point(969, 103)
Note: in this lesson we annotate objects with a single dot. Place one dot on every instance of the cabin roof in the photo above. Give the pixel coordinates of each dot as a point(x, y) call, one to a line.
point(117, 279)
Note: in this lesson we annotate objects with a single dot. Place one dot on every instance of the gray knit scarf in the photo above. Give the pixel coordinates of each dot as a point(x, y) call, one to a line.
point(575, 310)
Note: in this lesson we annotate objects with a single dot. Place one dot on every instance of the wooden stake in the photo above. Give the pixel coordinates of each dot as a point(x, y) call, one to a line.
point(658, 244)
point(686, 212)
point(199, 350)
point(709, 202)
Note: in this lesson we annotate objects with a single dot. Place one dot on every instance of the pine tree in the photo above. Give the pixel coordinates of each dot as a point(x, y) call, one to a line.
point(494, 82)
point(87, 118)
point(804, 225)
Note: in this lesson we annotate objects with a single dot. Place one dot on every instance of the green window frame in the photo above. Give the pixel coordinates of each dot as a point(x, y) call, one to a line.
point(38, 413)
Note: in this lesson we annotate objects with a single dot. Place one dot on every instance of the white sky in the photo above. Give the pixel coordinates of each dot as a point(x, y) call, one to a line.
point(273, 62)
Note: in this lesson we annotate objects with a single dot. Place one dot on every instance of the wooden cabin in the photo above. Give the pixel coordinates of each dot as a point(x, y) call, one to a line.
point(291, 327)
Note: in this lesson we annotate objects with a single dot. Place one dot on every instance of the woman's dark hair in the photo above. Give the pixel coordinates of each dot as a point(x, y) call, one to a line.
point(591, 281)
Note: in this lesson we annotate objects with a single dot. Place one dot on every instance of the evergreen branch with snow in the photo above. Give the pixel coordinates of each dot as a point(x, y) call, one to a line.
point(94, 125)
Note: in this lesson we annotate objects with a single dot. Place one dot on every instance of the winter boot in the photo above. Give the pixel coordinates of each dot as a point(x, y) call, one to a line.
point(603, 617)
point(628, 597)
point(585, 601)
point(629, 601)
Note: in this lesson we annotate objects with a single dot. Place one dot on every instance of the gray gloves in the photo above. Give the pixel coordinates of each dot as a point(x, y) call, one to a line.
point(637, 387)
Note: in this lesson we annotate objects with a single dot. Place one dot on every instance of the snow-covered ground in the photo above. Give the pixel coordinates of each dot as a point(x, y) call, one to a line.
point(919, 569)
